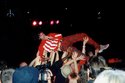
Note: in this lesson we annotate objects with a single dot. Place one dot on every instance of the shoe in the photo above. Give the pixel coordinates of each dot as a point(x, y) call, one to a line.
point(103, 47)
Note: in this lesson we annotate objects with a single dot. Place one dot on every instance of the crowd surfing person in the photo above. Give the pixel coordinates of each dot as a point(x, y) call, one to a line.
point(49, 44)
point(54, 42)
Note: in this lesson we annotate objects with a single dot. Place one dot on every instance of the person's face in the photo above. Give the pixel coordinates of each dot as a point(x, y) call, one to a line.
point(41, 36)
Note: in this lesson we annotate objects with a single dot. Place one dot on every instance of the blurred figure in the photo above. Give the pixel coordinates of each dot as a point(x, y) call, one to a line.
point(26, 75)
point(111, 76)
point(45, 76)
point(3, 66)
point(43, 66)
point(95, 65)
point(70, 69)
point(74, 76)
point(0, 78)
point(62, 70)
point(7, 75)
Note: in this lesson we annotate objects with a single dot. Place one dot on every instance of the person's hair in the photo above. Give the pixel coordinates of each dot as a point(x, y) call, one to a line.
point(6, 75)
point(73, 75)
point(23, 64)
point(111, 76)
point(96, 65)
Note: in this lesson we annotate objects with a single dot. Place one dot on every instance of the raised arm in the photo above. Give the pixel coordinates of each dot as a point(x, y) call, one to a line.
point(36, 61)
point(84, 44)
point(74, 57)
point(71, 61)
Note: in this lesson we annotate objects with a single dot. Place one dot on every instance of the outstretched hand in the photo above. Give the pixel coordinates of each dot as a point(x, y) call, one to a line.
point(85, 40)
point(81, 58)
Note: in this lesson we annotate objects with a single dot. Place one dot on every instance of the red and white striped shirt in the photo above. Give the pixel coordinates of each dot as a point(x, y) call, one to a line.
point(50, 44)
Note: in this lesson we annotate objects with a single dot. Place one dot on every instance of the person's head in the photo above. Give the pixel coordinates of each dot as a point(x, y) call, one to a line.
point(42, 35)
point(73, 75)
point(111, 76)
point(7, 75)
point(23, 64)
point(66, 70)
point(26, 75)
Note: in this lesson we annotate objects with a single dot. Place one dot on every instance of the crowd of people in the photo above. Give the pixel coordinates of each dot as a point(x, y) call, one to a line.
point(59, 61)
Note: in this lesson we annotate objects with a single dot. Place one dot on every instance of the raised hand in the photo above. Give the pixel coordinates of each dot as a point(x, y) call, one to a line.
point(85, 40)
point(81, 58)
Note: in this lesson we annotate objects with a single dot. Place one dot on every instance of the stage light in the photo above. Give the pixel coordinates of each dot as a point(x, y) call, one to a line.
point(57, 21)
point(40, 22)
point(114, 60)
point(51, 22)
point(34, 23)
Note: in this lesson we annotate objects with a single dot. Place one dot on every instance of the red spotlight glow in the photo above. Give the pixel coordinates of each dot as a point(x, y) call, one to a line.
point(40, 22)
point(51, 22)
point(57, 22)
point(114, 60)
point(34, 23)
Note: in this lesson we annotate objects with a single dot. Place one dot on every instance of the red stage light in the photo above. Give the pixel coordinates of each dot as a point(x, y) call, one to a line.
point(57, 22)
point(34, 23)
point(51, 22)
point(40, 22)
point(114, 60)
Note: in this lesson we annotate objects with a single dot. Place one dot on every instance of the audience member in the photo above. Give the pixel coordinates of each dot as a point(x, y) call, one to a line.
point(111, 76)
point(7, 75)
point(26, 75)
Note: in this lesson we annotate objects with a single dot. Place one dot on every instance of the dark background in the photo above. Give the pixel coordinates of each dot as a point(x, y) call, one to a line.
point(101, 20)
